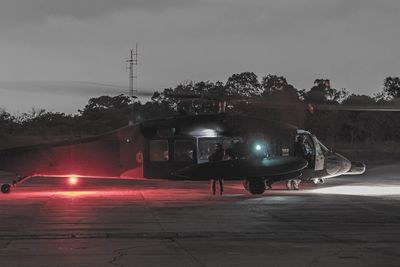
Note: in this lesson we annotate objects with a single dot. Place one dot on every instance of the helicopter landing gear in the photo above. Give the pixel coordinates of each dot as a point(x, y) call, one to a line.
point(293, 184)
point(319, 181)
point(6, 188)
point(255, 186)
point(268, 185)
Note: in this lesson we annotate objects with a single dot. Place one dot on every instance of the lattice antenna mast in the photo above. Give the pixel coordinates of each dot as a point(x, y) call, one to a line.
point(133, 77)
point(133, 71)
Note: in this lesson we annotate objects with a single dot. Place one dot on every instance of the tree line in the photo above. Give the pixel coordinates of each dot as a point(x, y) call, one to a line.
point(270, 96)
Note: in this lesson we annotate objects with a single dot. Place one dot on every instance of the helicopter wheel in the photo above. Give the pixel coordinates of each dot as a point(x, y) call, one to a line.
point(255, 186)
point(6, 188)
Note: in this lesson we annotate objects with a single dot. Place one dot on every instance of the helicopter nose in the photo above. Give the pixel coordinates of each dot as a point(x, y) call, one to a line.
point(337, 164)
point(357, 168)
point(346, 165)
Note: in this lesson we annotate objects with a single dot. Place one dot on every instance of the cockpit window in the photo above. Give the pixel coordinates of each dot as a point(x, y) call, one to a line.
point(159, 150)
point(307, 145)
point(183, 150)
point(323, 147)
point(318, 149)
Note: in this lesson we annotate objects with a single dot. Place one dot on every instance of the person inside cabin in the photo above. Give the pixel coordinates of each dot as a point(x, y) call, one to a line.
point(300, 149)
point(237, 150)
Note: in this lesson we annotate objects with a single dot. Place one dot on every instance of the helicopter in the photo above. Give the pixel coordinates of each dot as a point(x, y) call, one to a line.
point(178, 148)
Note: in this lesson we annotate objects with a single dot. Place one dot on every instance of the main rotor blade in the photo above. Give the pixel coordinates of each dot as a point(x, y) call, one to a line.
point(67, 88)
point(268, 104)
point(204, 97)
point(372, 108)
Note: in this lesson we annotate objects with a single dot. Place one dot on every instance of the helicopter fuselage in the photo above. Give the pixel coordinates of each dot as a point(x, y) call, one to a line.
point(178, 148)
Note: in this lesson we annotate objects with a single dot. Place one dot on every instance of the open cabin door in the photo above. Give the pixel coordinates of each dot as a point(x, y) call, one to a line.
point(319, 155)
point(310, 150)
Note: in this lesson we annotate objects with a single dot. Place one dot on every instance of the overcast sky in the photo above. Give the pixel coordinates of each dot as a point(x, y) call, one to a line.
point(54, 52)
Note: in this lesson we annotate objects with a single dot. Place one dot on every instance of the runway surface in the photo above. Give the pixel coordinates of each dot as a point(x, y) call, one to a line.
point(349, 221)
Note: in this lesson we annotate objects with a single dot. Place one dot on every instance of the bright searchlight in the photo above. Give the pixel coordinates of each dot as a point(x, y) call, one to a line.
point(361, 190)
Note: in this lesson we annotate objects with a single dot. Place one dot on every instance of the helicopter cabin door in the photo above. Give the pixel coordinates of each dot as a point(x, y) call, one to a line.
point(310, 150)
point(319, 155)
point(165, 156)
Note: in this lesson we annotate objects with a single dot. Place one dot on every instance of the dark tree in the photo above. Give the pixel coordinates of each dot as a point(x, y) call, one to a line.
point(7, 122)
point(106, 113)
point(317, 93)
point(192, 97)
point(358, 100)
point(106, 103)
point(355, 125)
point(273, 83)
point(391, 87)
point(322, 92)
point(335, 96)
point(243, 84)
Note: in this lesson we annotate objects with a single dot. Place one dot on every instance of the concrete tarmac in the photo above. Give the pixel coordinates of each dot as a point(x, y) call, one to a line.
point(348, 221)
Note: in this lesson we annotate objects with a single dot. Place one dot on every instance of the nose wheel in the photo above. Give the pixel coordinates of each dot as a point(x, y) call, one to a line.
point(5, 188)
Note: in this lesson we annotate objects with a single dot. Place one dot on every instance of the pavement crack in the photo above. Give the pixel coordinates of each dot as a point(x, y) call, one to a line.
point(6, 245)
point(152, 212)
point(314, 262)
point(116, 258)
point(193, 257)
point(120, 253)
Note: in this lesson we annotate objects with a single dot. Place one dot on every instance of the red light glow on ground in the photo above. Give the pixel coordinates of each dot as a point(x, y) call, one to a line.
point(73, 180)
point(77, 193)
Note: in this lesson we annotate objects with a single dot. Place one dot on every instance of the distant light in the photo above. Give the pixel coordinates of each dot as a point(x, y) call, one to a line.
point(258, 147)
point(73, 180)
point(361, 190)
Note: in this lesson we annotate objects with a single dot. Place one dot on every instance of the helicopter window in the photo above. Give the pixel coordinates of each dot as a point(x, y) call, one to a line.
point(285, 152)
point(159, 150)
point(183, 150)
point(206, 148)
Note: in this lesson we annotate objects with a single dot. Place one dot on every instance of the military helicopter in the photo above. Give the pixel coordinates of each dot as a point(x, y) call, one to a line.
point(178, 148)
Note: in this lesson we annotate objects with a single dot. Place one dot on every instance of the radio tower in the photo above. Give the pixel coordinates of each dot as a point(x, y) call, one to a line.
point(133, 71)
point(133, 75)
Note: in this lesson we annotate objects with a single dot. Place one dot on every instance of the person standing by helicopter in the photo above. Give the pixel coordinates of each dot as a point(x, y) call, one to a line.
point(300, 150)
point(218, 155)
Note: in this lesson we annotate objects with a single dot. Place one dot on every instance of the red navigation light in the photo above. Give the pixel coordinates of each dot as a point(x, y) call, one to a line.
point(311, 108)
point(73, 180)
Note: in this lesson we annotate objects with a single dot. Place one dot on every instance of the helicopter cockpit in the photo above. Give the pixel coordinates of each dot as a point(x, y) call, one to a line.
point(312, 149)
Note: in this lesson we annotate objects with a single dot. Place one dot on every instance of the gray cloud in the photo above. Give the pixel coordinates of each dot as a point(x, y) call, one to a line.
point(24, 11)
point(352, 42)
